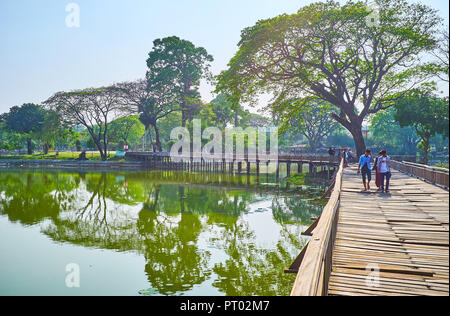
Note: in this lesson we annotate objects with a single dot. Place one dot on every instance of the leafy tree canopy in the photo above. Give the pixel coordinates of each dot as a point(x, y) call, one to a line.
point(126, 130)
point(25, 119)
point(387, 133)
point(330, 51)
point(428, 115)
point(180, 65)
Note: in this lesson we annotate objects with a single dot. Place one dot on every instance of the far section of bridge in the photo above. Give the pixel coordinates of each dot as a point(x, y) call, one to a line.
point(236, 163)
point(195, 162)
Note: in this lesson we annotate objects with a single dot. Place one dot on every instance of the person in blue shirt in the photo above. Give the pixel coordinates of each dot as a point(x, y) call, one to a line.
point(365, 168)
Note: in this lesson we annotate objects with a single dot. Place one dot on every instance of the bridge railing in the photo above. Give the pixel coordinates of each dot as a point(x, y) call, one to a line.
point(404, 158)
point(271, 157)
point(435, 175)
point(315, 269)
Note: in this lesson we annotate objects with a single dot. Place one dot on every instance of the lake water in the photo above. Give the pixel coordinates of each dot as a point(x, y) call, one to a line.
point(150, 233)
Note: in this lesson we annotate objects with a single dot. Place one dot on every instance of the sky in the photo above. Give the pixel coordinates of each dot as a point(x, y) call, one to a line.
point(40, 55)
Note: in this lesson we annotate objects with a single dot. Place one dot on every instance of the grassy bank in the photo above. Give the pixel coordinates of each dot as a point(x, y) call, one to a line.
point(64, 156)
point(442, 165)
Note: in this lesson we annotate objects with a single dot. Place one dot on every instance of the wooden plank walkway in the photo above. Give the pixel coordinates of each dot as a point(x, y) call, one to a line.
point(405, 235)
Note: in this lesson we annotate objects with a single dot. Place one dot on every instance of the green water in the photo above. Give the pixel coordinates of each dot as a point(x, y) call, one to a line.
point(149, 233)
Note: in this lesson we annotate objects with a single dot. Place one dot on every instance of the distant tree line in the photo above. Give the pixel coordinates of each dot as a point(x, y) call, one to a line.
point(139, 113)
point(328, 70)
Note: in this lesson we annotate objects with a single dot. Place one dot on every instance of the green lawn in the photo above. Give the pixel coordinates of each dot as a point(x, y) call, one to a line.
point(442, 165)
point(95, 156)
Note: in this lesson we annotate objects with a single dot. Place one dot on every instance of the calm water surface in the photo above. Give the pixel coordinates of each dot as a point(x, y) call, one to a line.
point(149, 233)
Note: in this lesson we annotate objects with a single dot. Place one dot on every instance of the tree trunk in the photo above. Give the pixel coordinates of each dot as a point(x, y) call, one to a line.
point(236, 119)
point(100, 148)
point(183, 118)
point(354, 126)
point(46, 148)
point(151, 140)
point(183, 111)
point(426, 150)
point(105, 151)
point(358, 138)
point(312, 144)
point(157, 140)
point(148, 136)
point(425, 136)
point(29, 149)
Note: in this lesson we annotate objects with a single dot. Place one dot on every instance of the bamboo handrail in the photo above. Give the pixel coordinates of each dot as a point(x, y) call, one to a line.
point(445, 170)
point(313, 275)
point(424, 172)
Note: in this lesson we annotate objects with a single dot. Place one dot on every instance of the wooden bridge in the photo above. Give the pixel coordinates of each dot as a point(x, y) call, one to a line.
point(235, 163)
point(194, 162)
point(377, 244)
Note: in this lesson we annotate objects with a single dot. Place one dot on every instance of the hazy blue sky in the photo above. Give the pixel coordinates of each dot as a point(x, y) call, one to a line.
point(40, 55)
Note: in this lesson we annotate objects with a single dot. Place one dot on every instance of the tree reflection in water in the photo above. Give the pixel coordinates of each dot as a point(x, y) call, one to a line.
point(168, 217)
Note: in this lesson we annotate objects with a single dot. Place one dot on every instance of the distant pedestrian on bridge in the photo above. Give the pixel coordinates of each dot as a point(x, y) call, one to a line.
point(344, 156)
point(365, 168)
point(349, 156)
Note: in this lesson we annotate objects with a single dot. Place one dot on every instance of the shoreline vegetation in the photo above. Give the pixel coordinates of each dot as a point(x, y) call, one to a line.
point(443, 165)
point(60, 156)
point(70, 164)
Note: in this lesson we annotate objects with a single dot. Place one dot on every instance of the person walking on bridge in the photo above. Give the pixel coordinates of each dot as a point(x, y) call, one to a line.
point(349, 156)
point(344, 156)
point(385, 171)
point(377, 171)
point(331, 152)
point(365, 168)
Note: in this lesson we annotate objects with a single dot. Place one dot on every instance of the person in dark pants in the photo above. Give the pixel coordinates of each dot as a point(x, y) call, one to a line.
point(384, 164)
point(349, 156)
point(344, 156)
point(364, 168)
point(377, 170)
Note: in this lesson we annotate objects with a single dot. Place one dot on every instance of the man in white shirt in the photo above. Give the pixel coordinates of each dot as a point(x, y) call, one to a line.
point(384, 165)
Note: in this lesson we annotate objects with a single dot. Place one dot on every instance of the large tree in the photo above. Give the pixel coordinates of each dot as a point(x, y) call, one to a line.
point(333, 52)
point(53, 129)
point(26, 119)
point(180, 64)
point(428, 115)
point(152, 101)
point(92, 108)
